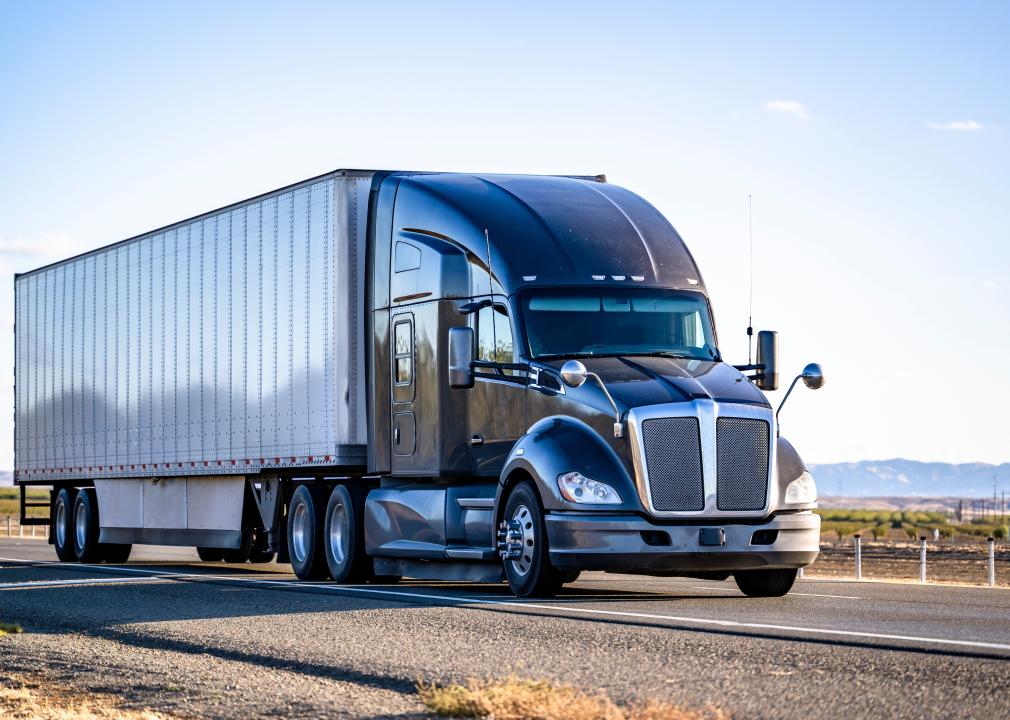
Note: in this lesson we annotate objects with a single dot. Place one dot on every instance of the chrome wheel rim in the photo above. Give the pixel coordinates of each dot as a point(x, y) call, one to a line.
point(61, 524)
point(81, 526)
point(524, 563)
point(339, 533)
point(300, 532)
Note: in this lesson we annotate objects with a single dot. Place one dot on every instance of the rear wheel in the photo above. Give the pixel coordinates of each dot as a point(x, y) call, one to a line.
point(528, 564)
point(765, 583)
point(209, 554)
point(116, 553)
point(63, 527)
point(344, 535)
point(241, 553)
point(259, 553)
point(305, 534)
point(86, 527)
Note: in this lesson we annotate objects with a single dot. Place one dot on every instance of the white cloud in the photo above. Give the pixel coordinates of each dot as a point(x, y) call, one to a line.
point(990, 285)
point(790, 107)
point(22, 254)
point(960, 125)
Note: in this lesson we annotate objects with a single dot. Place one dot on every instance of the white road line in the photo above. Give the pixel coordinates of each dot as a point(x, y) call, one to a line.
point(791, 592)
point(687, 620)
point(74, 582)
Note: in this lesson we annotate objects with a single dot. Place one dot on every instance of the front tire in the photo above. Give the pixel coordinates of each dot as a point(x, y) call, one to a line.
point(86, 528)
point(63, 525)
point(530, 573)
point(765, 583)
point(344, 537)
point(305, 534)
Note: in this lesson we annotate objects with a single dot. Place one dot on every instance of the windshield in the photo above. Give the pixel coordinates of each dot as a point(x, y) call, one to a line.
point(573, 322)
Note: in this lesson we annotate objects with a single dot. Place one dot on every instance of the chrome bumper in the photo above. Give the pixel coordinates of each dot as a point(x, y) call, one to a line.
point(585, 541)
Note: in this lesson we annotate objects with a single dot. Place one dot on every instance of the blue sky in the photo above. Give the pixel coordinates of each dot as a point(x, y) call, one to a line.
point(873, 138)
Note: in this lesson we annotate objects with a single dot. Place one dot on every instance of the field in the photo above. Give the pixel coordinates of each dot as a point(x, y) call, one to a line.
point(10, 501)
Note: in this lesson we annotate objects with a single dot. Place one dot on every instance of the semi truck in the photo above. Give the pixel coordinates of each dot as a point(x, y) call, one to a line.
point(381, 374)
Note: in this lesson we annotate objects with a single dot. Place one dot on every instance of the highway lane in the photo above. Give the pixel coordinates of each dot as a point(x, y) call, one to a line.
point(861, 647)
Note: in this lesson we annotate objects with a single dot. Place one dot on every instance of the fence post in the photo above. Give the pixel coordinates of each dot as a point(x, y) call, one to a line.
point(21, 530)
point(8, 526)
point(799, 574)
point(992, 562)
point(33, 531)
point(922, 559)
point(859, 557)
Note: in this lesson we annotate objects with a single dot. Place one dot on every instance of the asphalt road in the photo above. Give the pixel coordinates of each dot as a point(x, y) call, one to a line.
point(218, 640)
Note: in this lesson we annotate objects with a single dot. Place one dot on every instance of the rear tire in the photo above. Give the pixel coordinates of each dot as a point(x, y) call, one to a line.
point(259, 554)
point(115, 553)
point(209, 554)
point(765, 583)
point(63, 525)
point(531, 574)
point(305, 534)
point(344, 537)
point(86, 528)
point(241, 553)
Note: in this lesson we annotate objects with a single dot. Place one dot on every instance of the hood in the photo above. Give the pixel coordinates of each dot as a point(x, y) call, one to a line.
point(636, 381)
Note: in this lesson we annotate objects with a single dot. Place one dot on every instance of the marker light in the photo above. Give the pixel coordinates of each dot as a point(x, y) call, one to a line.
point(577, 488)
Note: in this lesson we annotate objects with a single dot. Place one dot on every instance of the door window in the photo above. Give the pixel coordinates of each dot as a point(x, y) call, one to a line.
point(494, 336)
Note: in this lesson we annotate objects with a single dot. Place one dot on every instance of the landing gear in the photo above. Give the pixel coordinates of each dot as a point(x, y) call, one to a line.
point(523, 546)
point(765, 583)
point(259, 554)
point(305, 534)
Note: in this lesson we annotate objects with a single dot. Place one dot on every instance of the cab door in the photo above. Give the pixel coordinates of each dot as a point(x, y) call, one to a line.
point(497, 401)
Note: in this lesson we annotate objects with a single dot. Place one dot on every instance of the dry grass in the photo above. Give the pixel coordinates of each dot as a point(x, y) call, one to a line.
point(9, 629)
point(518, 699)
point(35, 702)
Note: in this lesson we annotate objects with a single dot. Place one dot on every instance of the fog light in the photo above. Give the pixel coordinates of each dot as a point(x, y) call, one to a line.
point(802, 490)
point(577, 488)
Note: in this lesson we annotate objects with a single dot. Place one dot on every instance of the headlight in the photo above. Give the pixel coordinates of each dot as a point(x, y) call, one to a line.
point(577, 488)
point(802, 490)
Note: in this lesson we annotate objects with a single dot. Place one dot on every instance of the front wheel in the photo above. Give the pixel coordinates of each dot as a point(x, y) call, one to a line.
point(523, 540)
point(765, 583)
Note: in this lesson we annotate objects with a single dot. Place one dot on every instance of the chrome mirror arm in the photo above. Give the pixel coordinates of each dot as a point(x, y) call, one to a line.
point(618, 424)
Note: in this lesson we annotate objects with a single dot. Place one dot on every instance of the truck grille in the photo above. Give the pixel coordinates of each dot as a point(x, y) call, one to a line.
point(673, 458)
point(741, 463)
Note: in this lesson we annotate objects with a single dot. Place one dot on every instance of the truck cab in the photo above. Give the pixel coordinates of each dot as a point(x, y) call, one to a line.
point(547, 396)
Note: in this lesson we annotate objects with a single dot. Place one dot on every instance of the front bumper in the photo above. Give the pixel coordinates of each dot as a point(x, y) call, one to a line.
point(586, 541)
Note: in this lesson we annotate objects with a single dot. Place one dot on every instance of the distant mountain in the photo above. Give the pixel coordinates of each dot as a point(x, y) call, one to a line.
point(905, 478)
point(6, 478)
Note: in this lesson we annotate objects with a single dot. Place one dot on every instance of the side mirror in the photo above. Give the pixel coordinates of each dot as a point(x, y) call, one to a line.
point(767, 355)
point(813, 376)
point(460, 357)
point(574, 373)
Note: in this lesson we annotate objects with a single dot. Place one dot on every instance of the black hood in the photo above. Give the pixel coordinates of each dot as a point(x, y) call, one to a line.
point(636, 380)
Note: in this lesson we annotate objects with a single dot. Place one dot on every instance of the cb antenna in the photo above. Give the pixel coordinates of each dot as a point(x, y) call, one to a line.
point(490, 281)
point(750, 307)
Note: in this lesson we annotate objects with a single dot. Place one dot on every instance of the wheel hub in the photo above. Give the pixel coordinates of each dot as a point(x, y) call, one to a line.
point(517, 540)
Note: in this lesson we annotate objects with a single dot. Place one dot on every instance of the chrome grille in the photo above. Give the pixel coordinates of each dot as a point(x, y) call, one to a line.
point(673, 462)
point(741, 463)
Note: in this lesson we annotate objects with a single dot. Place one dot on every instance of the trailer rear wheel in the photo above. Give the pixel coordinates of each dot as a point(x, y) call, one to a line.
point(305, 534)
point(528, 565)
point(115, 553)
point(344, 535)
point(765, 583)
point(209, 554)
point(241, 553)
point(63, 528)
point(86, 527)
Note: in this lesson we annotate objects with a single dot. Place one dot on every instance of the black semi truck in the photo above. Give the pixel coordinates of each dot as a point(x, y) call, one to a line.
point(384, 374)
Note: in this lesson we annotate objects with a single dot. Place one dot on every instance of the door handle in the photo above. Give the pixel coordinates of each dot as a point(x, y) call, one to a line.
point(396, 435)
point(476, 440)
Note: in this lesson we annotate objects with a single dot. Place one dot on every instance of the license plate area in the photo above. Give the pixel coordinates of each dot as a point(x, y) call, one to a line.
point(712, 537)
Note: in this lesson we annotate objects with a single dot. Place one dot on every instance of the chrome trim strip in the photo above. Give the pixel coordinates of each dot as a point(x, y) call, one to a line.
point(707, 412)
